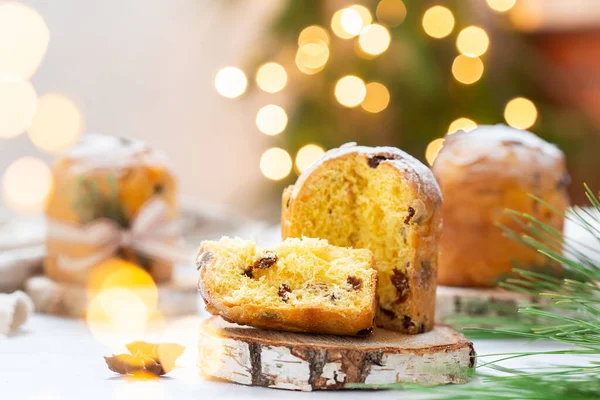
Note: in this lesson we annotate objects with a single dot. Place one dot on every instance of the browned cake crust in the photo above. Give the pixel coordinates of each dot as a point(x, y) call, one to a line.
point(482, 173)
point(413, 283)
point(307, 320)
point(320, 318)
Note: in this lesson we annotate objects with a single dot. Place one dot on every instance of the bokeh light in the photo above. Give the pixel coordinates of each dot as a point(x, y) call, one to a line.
point(271, 119)
point(17, 107)
point(275, 163)
point(117, 316)
point(26, 184)
point(365, 15)
point(462, 123)
point(24, 40)
point(472, 41)
point(271, 77)
point(520, 113)
point(501, 5)
point(312, 33)
point(350, 91)
point(374, 39)
point(391, 12)
point(348, 22)
point(351, 21)
point(466, 69)
point(336, 25)
point(377, 98)
point(184, 331)
point(433, 150)
point(307, 155)
point(312, 56)
point(57, 123)
point(210, 350)
point(438, 22)
point(116, 273)
point(527, 15)
point(231, 82)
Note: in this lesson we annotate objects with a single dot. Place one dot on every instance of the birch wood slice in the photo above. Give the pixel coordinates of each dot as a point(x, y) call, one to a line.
point(476, 302)
point(296, 361)
point(69, 300)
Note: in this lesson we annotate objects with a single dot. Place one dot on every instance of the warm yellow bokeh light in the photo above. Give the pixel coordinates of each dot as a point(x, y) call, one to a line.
point(350, 91)
point(24, 40)
point(348, 22)
point(464, 124)
point(271, 77)
point(501, 5)
point(374, 39)
point(377, 98)
point(528, 15)
point(391, 12)
point(433, 149)
point(520, 113)
point(466, 69)
point(57, 123)
point(117, 273)
point(17, 107)
point(116, 317)
point(313, 33)
point(183, 330)
point(211, 348)
point(231, 82)
point(307, 155)
point(26, 184)
point(351, 21)
point(312, 56)
point(365, 15)
point(336, 25)
point(438, 22)
point(275, 163)
point(271, 119)
point(472, 41)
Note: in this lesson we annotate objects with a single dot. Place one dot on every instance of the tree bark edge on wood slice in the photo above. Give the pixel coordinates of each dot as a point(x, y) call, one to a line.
point(306, 362)
point(478, 302)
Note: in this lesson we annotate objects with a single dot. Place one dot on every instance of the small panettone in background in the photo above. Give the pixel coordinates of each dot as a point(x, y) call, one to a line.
point(109, 193)
point(300, 285)
point(380, 199)
point(482, 173)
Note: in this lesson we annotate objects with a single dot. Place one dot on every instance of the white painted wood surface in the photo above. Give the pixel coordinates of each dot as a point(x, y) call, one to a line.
point(54, 358)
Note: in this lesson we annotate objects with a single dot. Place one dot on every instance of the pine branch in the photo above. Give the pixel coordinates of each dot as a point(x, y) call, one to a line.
point(567, 312)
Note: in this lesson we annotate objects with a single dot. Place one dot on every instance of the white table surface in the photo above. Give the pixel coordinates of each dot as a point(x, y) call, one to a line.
point(53, 358)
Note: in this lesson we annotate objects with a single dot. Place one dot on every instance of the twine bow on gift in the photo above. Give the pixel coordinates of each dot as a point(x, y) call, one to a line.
point(151, 234)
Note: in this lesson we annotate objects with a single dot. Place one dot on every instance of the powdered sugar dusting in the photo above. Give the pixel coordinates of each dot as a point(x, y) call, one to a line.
point(498, 142)
point(413, 170)
point(96, 151)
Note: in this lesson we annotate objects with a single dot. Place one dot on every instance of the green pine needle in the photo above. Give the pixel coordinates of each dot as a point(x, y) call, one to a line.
point(566, 311)
point(92, 203)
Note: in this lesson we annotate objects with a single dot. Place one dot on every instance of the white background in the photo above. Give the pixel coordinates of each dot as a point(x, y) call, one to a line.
point(145, 69)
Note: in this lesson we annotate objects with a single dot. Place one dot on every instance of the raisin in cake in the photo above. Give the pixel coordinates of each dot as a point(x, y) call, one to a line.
point(105, 177)
point(384, 200)
point(300, 285)
point(482, 173)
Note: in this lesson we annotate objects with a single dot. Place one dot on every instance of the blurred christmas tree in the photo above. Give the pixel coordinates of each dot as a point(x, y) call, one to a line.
point(406, 73)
